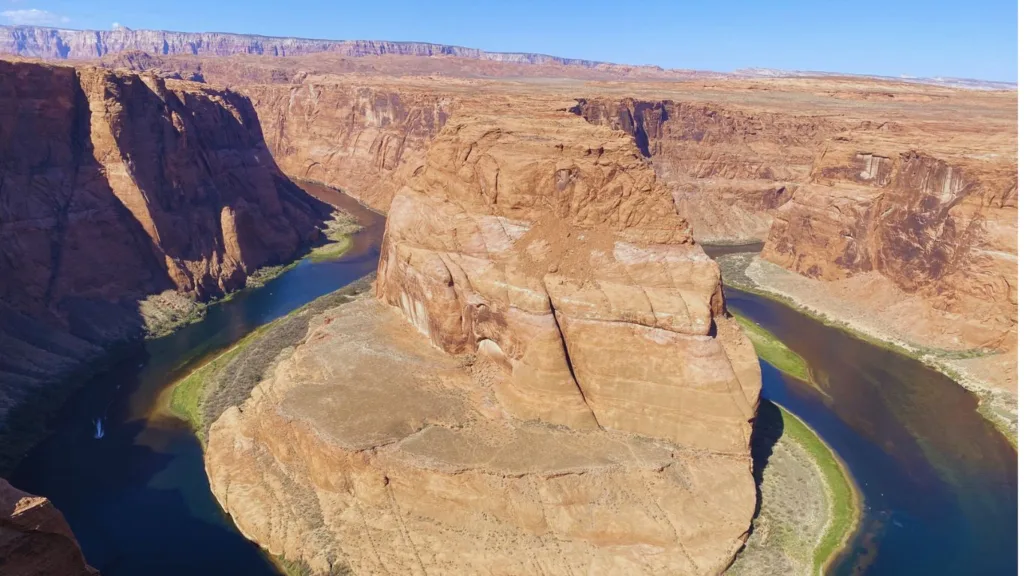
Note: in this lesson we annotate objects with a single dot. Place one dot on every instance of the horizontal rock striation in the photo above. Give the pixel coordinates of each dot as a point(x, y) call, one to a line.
point(35, 540)
point(586, 407)
point(115, 186)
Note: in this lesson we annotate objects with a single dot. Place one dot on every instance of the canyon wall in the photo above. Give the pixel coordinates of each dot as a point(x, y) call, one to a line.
point(586, 405)
point(364, 139)
point(116, 186)
point(926, 202)
point(941, 229)
point(727, 168)
point(35, 540)
point(364, 135)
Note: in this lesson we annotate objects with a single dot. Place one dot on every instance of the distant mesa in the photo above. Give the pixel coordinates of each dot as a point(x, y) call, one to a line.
point(64, 44)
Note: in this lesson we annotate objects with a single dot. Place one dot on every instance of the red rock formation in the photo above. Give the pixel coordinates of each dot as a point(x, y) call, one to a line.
point(548, 244)
point(943, 230)
point(924, 199)
point(366, 140)
point(34, 538)
point(727, 168)
point(114, 186)
point(587, 405)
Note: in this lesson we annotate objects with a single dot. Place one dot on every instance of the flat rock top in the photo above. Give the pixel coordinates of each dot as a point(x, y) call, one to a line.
point(366, 379)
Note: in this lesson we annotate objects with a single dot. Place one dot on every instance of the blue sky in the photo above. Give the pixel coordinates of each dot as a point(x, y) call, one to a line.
point(973, 39)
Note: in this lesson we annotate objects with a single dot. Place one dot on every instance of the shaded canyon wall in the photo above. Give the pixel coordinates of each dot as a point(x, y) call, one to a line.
point(35, 540)
point(115, 186)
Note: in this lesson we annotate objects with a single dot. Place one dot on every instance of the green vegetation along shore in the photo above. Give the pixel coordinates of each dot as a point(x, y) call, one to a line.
point(228, 378)
point(809, 505)
point(844, 498)
point(772, 350)
point(338, 233)
point(811, 528)
point(997, 408)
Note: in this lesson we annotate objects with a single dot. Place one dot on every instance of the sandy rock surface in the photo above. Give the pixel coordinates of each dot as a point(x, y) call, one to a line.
point(369, 449)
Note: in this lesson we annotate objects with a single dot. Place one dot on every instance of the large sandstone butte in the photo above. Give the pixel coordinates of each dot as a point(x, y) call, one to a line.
point(548, 244)
point(585, 409)
point(34, 538)
point(114, 186)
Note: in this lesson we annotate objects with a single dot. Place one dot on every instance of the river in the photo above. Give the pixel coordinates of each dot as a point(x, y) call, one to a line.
point(138, 499)
point(939, 482)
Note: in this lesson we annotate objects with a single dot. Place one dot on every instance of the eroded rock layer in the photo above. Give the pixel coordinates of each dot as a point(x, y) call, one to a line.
point(114, 186)
point(585, 409)
point(364, 139)
point(884, 188)
point(34, 538)
point(548, 243)
point(944, 230)
point(367, 449)
point(728, 168)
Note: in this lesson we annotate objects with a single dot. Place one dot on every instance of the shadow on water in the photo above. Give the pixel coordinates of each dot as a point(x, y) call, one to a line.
point(138, 498)
point(939, 481)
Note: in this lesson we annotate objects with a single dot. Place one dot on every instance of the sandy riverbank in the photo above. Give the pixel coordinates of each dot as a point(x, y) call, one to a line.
point(810, 506)
point(989, 374)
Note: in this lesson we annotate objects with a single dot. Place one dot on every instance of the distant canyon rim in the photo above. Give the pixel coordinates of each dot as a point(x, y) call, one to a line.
point(545, 217)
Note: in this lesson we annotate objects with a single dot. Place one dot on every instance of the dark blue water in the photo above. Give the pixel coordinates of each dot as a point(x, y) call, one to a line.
point(138, 498)
point(939, 481)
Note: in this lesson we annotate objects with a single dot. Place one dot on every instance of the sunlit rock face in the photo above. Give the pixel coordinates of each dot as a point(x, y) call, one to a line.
point(549, 244)
point(545, 381)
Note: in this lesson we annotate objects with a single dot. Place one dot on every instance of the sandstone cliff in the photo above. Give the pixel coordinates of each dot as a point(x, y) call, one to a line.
point(941, 229)
point(362, 138)
point(549, 244)
point(115, 186)
point(34, 538)
point(883, 187)
point(728, 168)
point(586, 408)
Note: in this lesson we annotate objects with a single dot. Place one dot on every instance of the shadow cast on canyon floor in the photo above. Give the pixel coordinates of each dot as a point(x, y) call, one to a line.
point(768, 428)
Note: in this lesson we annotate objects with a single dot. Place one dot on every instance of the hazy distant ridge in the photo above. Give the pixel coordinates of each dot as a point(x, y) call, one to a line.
point(55, 43)
point(967, 83)
point(65, 44)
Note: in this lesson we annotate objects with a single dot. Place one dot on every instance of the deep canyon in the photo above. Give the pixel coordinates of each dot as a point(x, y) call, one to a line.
point(557, 383)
